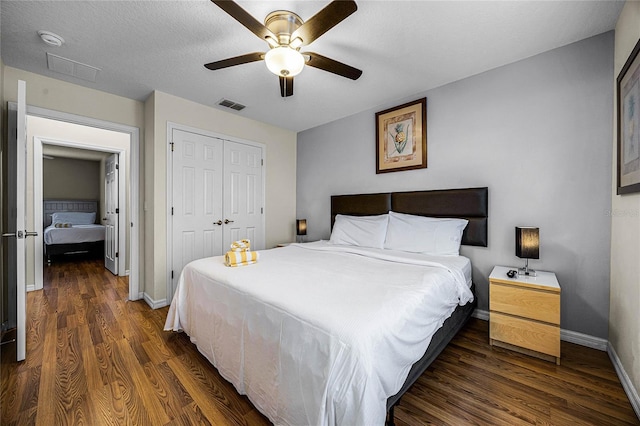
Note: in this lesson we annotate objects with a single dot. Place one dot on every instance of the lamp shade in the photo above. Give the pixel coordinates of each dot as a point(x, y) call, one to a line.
point(301, 226)
point(284, 61)
point(527, 242)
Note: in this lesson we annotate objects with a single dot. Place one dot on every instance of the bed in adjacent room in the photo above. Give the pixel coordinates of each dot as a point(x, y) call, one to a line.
point(70, 228)
point(334, 332)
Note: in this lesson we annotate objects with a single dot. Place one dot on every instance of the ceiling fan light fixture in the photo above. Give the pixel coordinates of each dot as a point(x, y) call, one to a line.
point(284, 61)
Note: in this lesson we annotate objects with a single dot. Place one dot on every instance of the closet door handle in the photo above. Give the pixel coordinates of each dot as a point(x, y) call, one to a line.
point(228, 221)
point(218, 223)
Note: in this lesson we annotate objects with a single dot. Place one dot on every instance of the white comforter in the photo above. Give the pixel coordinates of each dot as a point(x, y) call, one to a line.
point(316, 334)
point(74, 234)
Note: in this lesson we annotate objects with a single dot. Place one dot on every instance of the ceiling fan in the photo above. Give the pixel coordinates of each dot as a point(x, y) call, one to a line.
point(286, 33)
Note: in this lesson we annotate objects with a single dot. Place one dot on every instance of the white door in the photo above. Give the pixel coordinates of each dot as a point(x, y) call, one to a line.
point(197, 163)
point(15, 234)
point(111, 214)
point(243, 194)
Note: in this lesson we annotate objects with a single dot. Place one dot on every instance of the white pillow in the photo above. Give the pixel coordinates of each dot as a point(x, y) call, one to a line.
point(363, 231)
point(420, 234)
point(74, 218)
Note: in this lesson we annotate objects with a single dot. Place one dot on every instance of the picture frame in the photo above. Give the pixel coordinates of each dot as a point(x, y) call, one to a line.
point(628, 124)
point(401, 137)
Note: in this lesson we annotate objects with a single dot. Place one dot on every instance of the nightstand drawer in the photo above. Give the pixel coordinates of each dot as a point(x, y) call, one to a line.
point(531, 335)
point(528, 303)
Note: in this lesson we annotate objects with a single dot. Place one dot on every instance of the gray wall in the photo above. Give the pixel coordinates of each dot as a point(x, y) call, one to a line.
point(536, 132)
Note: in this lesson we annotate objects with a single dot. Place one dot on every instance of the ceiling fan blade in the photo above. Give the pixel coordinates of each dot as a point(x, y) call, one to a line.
point(242, 16)
point(323, 21)
point(238, 60)
point(286, 86)
point(333, 66)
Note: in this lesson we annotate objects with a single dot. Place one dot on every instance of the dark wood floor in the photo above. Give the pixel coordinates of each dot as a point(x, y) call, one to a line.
point(95, 358)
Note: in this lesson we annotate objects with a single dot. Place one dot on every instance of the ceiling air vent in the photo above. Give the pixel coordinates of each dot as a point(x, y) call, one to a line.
point(230, 104)
point(73, 68)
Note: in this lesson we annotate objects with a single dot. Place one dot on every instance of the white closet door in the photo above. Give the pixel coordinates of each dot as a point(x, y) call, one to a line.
point(111, 214)
point(197, 198)
point(243, 197)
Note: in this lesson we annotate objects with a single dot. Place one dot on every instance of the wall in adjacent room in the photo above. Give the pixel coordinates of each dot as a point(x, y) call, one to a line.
point(624, 326)
point(536, 132)
point(70, 179)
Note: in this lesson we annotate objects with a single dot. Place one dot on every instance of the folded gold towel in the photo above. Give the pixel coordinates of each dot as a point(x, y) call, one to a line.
point(63, 225)
point(241, 245)
point(240, 258)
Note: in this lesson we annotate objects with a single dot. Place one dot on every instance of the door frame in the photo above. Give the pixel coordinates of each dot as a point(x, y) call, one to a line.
point(38, 199)
point(171, 126)
point(134, 180)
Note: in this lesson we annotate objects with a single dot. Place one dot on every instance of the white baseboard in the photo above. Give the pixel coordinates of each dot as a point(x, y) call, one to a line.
point(31, 287)
point(481, 314)
point(154, 304)
point(126, 273)
point(627, 385)
point(584, 340)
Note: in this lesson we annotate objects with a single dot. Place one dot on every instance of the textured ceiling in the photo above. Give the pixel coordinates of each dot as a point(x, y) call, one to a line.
point(403, 48)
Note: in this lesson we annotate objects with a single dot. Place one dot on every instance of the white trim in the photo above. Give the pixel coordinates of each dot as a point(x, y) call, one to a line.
point(134, 181)
point(169, 229)
point(37, 215)
point(481, 314)
point(154, 304)
point(31, 287)
point(627, 384)
point(171, 126)
point(583, 339)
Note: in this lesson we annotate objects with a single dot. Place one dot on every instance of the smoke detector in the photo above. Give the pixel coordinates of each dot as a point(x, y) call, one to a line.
point(50, 38)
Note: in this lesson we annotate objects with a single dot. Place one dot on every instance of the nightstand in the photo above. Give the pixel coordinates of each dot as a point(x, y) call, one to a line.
point(525, 313)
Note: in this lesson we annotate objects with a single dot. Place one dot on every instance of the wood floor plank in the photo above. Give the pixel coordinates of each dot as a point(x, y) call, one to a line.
point(198, 392)
point(95, 358)
point(71, 386)
point(46, 413)
point(150, 402)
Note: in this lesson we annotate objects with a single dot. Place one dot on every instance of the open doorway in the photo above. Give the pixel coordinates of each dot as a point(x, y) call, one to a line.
point(69, 176)
point(50, 130)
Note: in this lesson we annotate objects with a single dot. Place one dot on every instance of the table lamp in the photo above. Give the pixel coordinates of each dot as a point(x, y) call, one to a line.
point(301, 229)
point(527, 247)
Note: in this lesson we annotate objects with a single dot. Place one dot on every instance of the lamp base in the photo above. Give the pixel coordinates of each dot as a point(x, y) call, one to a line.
point(527, 272)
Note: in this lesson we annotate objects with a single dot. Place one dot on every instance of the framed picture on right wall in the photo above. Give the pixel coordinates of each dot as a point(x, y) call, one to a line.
point(628, 86)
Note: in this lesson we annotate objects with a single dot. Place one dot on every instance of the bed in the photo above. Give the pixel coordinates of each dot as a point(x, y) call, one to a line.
point(70, 228)
point(333, 332)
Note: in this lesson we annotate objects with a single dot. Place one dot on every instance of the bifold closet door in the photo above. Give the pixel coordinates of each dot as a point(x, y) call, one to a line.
point(243, 194)
point(216, 197)
point(197, 198)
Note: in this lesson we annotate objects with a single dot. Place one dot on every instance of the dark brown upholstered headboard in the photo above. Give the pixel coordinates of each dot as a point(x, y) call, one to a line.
point(470, 203)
